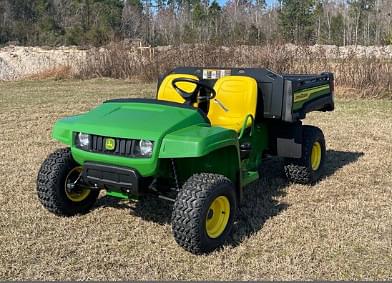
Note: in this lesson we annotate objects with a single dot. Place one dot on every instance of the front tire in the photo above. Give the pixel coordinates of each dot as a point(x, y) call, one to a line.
point(204, 212)
point(56, 172)
point(309, 168)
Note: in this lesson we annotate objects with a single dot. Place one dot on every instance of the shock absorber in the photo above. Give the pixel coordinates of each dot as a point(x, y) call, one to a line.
point(175, 174)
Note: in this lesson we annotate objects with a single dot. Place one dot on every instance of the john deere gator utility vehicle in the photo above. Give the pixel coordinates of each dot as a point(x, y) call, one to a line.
point(198, 144)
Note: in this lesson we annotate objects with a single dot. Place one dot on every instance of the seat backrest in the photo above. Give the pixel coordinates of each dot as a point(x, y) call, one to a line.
point(167, 92)
point(238, 94)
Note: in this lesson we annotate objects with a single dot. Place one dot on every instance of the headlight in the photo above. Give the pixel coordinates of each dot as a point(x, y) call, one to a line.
point(145, 147)
point(82, 140)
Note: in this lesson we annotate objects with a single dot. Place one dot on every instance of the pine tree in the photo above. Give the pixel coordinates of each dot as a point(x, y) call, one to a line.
point(297, 20)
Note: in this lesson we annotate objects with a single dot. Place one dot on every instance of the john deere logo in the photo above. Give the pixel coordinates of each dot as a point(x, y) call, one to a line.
point(110, 144)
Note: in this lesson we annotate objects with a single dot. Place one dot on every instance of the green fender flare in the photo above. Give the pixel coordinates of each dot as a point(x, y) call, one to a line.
point(196, 141)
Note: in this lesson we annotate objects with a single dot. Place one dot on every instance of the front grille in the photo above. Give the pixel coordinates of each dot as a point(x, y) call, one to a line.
point(123, 147)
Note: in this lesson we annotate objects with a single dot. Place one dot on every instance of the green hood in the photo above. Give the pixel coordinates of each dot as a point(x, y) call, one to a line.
point(178, 131)
point(134, 119)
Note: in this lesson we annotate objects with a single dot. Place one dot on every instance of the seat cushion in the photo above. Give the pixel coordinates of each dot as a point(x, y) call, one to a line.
point(238, 95)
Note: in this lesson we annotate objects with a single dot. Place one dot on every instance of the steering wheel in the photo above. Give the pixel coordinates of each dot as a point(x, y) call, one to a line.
point(191, 97)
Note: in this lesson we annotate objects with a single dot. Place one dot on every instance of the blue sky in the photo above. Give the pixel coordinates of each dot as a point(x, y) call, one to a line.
point(269, 2)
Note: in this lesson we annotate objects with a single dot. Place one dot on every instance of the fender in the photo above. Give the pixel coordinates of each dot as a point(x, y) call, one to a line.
point(196, 141)
point(62, 130)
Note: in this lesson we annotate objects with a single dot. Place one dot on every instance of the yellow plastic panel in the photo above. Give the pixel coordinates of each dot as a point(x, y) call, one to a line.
point(238, 94)
point(167, 92)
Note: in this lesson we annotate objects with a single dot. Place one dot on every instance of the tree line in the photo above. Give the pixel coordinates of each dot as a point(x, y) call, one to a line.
point(171, 22)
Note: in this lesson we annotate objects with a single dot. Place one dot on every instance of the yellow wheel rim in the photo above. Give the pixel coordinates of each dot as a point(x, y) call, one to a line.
point(217, 216)
point(315, 157)
point(83, 193)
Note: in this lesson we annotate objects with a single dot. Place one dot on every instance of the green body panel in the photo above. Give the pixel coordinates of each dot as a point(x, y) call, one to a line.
point(126, 120)
point(120, 195)
point(223, 159)
point(179, 133)
point(249, 177)
point(129, 120)
point(303, 96)
point(196, 141)
point(259, 141)
point(62, 130)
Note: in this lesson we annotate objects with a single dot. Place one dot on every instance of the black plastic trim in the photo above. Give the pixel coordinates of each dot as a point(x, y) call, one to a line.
point(123, 147)
point(283, 131)
point(321, 103)
point(108, 175)
point(301, 82)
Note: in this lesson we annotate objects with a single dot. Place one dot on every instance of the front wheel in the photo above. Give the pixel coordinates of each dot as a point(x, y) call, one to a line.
point(309, 168)
point(59, 187)
point(204, 212)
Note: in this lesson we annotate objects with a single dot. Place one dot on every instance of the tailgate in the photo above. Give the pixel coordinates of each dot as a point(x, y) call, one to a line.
point(304, 94)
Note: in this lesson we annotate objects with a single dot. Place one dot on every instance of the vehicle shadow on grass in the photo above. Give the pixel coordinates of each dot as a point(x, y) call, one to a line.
point(148, 208)
point(262, 199)
point(336, 159)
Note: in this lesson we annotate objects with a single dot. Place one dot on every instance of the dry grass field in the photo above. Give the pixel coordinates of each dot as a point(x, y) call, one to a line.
point(341, 228)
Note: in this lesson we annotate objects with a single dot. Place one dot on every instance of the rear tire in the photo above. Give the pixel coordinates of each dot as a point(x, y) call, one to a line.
point(55, 171)
point(204, 212)
point(309, 168)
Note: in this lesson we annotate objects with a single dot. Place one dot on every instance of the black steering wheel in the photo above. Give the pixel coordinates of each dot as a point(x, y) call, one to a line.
point(191, 97)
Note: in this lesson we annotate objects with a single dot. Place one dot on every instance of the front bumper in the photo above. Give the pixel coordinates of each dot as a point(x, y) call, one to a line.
point(103, 175)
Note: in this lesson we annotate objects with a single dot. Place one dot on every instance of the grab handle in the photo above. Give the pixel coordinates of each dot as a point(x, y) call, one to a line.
point(244, 125)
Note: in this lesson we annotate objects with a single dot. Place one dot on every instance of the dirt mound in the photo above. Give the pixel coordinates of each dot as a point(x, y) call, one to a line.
point(342, 52)
point(18, 62)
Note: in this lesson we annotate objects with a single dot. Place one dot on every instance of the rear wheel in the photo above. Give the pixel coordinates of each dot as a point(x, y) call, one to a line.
point(59, 187)
point(204, 212)
point(308, 169)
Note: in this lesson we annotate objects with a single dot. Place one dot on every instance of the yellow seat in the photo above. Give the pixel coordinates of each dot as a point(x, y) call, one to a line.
point(236, 98)
point(167, 92)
